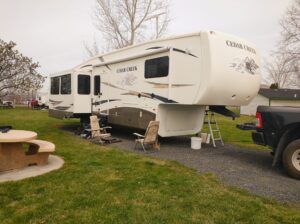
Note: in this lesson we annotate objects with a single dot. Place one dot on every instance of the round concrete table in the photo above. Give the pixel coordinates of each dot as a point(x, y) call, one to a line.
point(12, 154)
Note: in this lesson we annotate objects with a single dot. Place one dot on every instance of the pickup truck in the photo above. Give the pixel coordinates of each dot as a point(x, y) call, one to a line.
point(279, 129)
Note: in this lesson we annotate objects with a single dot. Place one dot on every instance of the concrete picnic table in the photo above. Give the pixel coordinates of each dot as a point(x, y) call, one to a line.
point(12, 154)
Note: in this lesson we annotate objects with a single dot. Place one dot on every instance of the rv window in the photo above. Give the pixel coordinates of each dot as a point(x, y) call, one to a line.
point(97, 85)
point(157, 67)
point(84, 84)
point(55, 85)
point(65, 87)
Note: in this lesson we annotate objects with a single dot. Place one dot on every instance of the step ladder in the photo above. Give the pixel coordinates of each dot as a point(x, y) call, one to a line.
point(213, 127)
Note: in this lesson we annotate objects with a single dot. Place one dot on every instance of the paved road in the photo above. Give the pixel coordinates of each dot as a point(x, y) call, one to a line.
point(245, 168)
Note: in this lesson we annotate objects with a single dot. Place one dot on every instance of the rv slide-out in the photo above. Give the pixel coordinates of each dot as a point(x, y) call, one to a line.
point(171, 80)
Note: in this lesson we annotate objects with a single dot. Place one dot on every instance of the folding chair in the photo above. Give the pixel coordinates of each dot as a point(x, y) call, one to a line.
point(96, 131)
point(150, 138)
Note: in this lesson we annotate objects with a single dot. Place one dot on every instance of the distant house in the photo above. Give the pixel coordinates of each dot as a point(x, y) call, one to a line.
point(273, 97)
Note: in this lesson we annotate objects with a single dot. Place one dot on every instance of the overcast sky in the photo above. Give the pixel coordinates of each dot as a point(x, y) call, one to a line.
point(53, 31)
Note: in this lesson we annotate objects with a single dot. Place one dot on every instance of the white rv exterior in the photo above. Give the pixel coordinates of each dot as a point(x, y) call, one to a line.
point(171, 80)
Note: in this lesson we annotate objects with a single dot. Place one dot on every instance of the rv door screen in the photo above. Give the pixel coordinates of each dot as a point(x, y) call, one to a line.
point(84, 84)
point(97, 85)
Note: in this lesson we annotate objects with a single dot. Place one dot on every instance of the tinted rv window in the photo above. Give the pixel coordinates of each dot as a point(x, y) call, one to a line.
point(65, 86)
point(97, 85)
point(55, 85)
point(84, 84)
point(157, 67)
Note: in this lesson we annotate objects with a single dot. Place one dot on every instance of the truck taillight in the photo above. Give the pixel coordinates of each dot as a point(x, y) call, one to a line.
point(258, 120)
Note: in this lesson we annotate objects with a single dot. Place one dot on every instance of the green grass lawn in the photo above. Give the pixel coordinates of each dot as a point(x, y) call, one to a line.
point(233, 135)
point(104, 185)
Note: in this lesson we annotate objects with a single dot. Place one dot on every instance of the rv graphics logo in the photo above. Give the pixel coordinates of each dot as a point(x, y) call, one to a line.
point(127, 69)
point(246, 65)
point(240, 46)
point(128, 80)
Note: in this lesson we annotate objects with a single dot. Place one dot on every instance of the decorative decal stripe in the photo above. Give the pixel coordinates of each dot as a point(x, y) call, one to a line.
point(153, 48)
point(162, 86)
point(53, 102)
point(86, 66)
point(161, 98)
point(113, 86)
point(151, 96)
point(141, 94)
point(184, 52)
point(131, 93)
point(61, 108)
point(104, 101)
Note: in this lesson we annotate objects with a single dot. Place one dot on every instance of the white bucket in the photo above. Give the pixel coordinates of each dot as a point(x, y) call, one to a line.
point(196, 143)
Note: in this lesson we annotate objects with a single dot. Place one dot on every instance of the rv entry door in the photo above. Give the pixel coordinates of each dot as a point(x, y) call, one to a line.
point(82, 97)
point(96, 98)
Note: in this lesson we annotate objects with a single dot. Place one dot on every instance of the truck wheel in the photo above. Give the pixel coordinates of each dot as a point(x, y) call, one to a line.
point(291, 159)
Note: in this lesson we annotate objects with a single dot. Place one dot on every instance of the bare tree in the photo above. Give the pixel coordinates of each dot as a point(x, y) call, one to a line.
point(17, 72)
point(126, 22)
point(285, 69)
point(281, 71)
point(290, 35)
point(92, 49)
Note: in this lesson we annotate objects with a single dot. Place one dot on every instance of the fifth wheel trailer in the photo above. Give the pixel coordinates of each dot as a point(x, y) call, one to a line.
point(170, 80)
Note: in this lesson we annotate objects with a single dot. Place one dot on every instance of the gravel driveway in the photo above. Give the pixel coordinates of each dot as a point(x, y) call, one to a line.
point(245, 168)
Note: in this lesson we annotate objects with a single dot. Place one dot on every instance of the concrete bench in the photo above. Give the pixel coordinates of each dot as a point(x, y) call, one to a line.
point(38, 152)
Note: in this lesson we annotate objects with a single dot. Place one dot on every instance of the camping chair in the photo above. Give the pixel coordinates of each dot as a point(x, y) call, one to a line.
point(150, 137)
point(97, 132)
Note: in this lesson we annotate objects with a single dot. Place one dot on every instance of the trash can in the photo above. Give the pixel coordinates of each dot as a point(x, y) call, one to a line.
point(196, 143)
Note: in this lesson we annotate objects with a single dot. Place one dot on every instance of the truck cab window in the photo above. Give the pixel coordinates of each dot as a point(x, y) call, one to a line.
point(157, 67)
point(65, 87)
point(84, 84)
point(55, 85)
point(97, 85)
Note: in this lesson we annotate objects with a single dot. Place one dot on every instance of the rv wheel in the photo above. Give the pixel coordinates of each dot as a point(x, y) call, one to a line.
point(291, 159)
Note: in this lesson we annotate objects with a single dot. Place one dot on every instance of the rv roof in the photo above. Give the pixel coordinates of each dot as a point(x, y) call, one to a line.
point(89, 63)
point(151, 41)
point(69, 71)
point(140, 44)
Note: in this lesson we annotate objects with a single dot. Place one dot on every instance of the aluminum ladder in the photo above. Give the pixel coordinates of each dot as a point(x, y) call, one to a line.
point(213, 126)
